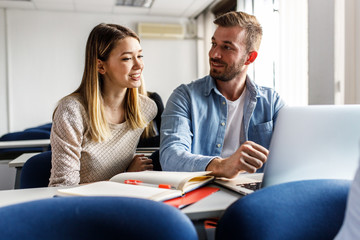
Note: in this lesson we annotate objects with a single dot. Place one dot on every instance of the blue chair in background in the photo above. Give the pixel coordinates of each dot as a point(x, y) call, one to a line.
point(309, 209)
point(44, 127)
point(94, 218)
point(33, 134)
point(36, 171)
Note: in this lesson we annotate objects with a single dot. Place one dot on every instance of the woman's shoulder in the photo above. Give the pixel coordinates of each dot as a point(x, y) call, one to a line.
point(72, 100)
point(148, 107)
point(71, 103)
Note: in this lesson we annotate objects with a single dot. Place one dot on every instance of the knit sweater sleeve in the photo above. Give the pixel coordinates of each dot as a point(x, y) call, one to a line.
point(149, 108)
point(66, 138)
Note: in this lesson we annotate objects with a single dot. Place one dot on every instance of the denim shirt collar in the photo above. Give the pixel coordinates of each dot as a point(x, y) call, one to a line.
point(210, 85)
point(251, 87)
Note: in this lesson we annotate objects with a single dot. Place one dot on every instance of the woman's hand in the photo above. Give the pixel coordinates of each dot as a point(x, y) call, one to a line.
point(140, 163)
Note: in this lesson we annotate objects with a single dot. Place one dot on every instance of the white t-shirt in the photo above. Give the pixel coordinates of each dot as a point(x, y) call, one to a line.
point(233, 125)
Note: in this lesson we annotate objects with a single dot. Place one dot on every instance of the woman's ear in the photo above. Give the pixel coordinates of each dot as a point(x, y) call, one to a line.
point(251, 57)
point(100, 67)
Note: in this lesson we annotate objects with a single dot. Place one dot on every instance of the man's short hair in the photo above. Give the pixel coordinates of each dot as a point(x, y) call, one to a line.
point(253, 29)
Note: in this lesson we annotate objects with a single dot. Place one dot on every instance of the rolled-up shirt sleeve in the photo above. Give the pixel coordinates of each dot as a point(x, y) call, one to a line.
point(177, 135)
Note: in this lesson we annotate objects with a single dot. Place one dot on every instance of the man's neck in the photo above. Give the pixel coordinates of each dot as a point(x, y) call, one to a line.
point(232, 89)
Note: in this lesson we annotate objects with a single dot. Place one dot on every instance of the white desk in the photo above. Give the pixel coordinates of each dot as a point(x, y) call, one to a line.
point(44, 143)
point(210, 207)
point(21, 160)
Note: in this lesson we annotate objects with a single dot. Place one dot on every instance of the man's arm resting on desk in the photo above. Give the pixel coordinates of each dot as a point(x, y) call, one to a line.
point(249, 157)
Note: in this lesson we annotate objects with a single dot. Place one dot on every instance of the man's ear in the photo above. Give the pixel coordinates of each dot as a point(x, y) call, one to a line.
point(100, 67)
point(251, 57)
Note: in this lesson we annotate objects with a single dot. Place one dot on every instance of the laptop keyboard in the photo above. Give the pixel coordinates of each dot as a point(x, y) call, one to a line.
point(252, 186)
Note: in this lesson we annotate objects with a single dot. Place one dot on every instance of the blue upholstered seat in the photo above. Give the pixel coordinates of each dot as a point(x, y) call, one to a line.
point(311, 209)
point(36, 171)
point(44, 127)
point(94, 218)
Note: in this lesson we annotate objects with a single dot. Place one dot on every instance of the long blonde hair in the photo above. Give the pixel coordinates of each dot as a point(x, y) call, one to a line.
point(101, 42)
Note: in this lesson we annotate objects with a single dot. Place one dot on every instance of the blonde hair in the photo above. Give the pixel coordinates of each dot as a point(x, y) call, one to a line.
point(100, 43)
point(253, 29)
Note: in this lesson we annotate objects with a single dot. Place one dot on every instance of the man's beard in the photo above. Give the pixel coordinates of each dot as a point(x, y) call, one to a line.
point(229, 73)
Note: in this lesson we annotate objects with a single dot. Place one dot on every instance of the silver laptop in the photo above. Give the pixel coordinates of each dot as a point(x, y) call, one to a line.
point(244, 183)
point(309, 142)
point(314, 142)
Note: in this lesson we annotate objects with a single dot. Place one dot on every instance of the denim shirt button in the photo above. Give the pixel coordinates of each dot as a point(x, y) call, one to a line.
point(222, 124)
point(219, 145)
point(223, 102)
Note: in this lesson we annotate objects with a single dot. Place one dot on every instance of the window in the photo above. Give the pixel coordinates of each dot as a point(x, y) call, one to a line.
point(282, 62)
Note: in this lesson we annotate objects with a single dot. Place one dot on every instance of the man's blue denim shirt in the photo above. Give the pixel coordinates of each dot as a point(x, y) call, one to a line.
point(194, 122)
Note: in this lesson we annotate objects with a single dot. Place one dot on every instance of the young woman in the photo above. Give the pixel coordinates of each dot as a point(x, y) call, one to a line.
point(96, 128)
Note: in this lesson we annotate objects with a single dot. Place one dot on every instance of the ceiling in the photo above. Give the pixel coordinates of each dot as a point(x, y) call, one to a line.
point(172, 8)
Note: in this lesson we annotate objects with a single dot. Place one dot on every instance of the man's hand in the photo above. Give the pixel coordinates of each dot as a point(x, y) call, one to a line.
point(140, 163)
point(249, 157)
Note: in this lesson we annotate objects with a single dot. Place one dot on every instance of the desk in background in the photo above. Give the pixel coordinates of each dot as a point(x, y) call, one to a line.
point(21, 160)
point(44, 143)
point(14, 148)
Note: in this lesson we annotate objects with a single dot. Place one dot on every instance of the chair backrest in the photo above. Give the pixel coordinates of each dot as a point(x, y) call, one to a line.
point(94, 218)
point(26, 135)
point(45, 127)
point(154, 141)
point(155, 157)
point(309, 209)
point(36, 171)
point(160, 105)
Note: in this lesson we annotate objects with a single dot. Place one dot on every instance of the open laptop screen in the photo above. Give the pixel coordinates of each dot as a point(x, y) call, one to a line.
point(314, 142)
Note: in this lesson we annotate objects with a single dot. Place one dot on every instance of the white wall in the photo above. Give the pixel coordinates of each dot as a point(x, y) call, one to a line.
point(46, 54)
point(3, 85)
point(357, 50)
point(347, 52)
point(352, 52)
point(321, 51)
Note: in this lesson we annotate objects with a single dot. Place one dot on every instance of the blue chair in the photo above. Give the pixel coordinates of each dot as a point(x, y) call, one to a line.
point(154, 141)
point(12, 153)
point(36, 171)
point(44, 127)
point(309, 209)
point(94, 218)
point(26, 135)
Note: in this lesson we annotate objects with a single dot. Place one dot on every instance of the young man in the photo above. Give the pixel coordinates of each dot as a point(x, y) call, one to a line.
point(223, 122)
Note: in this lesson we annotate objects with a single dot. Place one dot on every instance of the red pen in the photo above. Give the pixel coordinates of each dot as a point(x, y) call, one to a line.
point(138, 182)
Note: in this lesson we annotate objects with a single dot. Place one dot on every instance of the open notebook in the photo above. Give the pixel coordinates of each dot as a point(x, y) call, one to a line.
point(153, 185)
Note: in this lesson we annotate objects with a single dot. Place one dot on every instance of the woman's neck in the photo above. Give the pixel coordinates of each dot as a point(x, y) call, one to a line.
point(114, 106)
